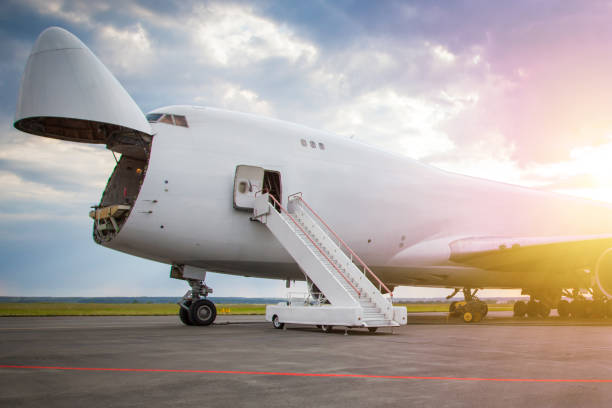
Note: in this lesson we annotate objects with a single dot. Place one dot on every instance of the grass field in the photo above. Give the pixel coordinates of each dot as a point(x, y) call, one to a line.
point(162, 309)
point(115, 309)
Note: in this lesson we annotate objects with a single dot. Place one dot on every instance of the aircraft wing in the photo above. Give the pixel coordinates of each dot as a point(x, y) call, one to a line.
point(529, 253)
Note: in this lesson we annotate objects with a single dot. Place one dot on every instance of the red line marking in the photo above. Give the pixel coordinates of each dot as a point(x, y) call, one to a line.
point(327, 375)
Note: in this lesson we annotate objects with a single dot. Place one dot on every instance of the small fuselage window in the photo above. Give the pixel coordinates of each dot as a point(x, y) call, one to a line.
point(178, 120)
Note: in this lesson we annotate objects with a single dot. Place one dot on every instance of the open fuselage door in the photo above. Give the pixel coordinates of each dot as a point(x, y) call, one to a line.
point(250, 181)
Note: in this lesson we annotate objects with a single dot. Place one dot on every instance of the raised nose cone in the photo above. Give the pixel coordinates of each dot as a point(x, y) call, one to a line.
point(67, 93)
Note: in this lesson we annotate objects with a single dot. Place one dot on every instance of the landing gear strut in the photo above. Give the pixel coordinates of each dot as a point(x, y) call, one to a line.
point(471, 309)
point(195, 308)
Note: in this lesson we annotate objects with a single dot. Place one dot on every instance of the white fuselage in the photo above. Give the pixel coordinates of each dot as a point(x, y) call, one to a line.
point(398, 214)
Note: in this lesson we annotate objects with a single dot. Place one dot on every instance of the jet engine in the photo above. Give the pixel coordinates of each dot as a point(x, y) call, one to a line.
point(603, 272)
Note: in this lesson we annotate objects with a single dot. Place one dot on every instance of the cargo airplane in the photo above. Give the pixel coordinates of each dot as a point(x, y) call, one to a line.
point(188, 178)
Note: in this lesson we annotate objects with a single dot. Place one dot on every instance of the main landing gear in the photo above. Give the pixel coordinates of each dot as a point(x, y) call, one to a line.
point(471, 309)
point(540, 303)
point(195, 309)
point(578, 307)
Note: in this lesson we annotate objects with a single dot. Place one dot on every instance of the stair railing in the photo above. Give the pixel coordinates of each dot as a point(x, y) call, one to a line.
point(332, 263)
point(348, 251)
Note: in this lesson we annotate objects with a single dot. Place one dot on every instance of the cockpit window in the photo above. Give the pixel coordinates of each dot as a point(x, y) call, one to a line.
point(167, 119)
point(154, 117)
point(178, 120)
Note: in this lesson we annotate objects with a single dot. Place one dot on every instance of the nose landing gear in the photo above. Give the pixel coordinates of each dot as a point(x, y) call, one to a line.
point(195, 308)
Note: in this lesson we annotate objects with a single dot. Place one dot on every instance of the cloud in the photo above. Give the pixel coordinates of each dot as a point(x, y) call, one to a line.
point(392, 120)
point(233, 97)
point(128, 50)
point(443, 54)
point(231, 34)
point(71, 11)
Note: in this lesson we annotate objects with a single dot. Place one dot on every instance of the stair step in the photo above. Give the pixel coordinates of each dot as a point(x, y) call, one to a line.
point(379, 323)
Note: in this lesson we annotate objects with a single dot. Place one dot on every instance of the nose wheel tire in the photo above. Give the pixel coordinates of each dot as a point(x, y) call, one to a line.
point(202, 312)
point(452, 310)
point(184, 314)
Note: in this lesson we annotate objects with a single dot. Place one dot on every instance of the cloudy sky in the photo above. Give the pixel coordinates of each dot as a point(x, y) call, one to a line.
point(514, 91)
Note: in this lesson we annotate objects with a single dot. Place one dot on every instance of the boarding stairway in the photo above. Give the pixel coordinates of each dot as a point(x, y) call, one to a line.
point(351, 294)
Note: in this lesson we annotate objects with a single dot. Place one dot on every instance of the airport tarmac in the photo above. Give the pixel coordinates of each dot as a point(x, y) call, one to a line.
point(244, 362)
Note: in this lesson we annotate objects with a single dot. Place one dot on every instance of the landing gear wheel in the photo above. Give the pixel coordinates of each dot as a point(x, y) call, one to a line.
point(452, 310)
point(326, 328)
point(563, 308)
point(202, 312)
point(520, 309)
point(484, 309)
point(468, 317)
point(372, 329)
point(277, 323)
point(184, 314)
point(543, 309)
point(533, 308)
point(476, 317)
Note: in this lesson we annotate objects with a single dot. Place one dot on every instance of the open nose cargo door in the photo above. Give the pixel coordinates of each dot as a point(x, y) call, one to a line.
point(68, 94)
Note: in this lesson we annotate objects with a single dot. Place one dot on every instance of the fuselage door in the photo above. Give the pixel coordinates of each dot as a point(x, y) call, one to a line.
point(247, 181)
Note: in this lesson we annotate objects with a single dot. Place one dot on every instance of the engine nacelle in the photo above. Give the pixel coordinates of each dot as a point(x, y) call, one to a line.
point(603, 272)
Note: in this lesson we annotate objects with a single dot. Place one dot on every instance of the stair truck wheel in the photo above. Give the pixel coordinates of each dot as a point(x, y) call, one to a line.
point(326, 328)
point(202, 312)
point(184, 314)
point(277, 323)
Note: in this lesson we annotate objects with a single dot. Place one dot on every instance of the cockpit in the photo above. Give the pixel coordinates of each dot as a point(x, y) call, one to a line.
point(168, 118)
